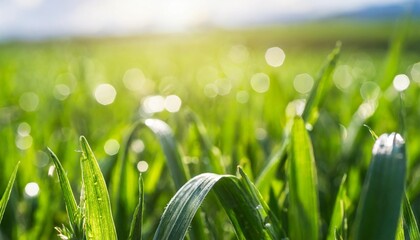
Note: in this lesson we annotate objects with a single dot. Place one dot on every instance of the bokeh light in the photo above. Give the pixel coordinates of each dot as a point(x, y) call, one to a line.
point(134, 79)
point(342, 77)
point(111, 147)
point(29, 101)
point(370, 90)
point(137, 146)
point(275, 56)
point(401, 82)
point(303, 83)
point(142, 166)
point(61, 92)
point(415, 72)
point(211, 90)
point(154, 104)
point(32, 189)
point(260, 82)
point(24, 129)
point(173, 103)
point(105, 94)
point(24, 142)
point(238, 53)
point(242, 97)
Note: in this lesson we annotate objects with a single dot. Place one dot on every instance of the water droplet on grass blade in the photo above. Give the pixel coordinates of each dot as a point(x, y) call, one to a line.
point(386, 143)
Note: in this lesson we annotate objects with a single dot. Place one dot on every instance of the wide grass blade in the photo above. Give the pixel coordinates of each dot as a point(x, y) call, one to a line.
point(409, 220)
point(239, 204)
point(98, 214)
point(68, 195)
point(7, 192)
point(380, 202)
point(337, 223)
point(303, 194)
point(310, 115)
point(137, 222)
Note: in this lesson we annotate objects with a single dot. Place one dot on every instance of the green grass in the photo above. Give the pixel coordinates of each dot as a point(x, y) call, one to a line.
point(232, 163)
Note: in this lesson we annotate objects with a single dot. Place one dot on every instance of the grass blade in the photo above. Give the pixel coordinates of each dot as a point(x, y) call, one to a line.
point(6, 195)
point(136, 224)
point(338, 215)
point(236, 201)
point(177, 168)
point(68, 195)
point(211, 152)
point(310, 114)
point(273, 227)
point(409, 220)
point(385, 181)
point(99, 221)
point(303, 195)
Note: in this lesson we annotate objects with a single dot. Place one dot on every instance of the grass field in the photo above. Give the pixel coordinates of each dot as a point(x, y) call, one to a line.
point(223, 102)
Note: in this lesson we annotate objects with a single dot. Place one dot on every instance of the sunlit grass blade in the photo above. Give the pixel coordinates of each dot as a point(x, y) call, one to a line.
point(409, 220)
point(338, 218)
point(380, 202)
point(164, 133)
point(310, 115)
point(68, 195)
point(137, 222)
point(99, 223)
point(236, 201)
point(7, 192)
point(211, 152)
point(302, 178)
point(272, 223)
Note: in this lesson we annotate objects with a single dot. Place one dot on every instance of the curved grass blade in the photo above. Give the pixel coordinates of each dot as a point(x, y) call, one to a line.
point(68, 195)
point(409, 220)
point(310, 114)
point(98, 214)
point(380, 202)
point(137, 222)
point(164, 133)
point(7, 192)
point(234, 198)
point(303, 195)
point(337, 223)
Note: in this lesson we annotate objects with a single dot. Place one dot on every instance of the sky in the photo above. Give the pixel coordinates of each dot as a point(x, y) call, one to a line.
point(52, 18)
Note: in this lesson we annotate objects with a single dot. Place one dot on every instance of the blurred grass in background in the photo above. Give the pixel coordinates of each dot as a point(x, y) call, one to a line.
point(235, 82)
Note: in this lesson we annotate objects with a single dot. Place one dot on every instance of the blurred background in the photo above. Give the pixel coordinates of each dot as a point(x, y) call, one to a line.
point(93, 68)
